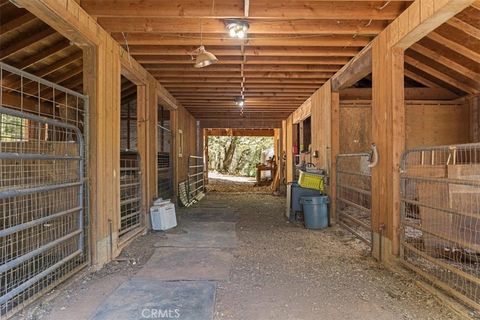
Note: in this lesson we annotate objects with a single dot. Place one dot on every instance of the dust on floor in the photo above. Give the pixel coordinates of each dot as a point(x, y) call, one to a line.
point(280, 271)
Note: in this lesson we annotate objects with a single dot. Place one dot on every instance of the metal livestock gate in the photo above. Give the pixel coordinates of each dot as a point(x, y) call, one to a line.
point(440, 218)
point(130, 192)
point(164, 163)
point(43, 201)
point(354, 194)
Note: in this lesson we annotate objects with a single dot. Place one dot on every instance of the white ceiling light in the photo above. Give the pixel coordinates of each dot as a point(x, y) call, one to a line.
point(239, 101)
point(237, 29)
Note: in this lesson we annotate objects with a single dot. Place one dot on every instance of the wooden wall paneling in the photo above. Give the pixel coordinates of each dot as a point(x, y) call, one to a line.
point(355, 127)
point(473, 103)
point(428, 123)
point(436, 124)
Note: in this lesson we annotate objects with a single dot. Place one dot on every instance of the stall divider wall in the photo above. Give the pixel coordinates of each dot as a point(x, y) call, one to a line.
point(388, 113)
point(104, 61)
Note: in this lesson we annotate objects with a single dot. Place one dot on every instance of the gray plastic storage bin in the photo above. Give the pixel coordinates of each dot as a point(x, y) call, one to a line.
point(298, 192)
point(315, 211)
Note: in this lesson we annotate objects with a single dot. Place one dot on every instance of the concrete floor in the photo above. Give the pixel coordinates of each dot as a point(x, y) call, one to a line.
point(234, 256)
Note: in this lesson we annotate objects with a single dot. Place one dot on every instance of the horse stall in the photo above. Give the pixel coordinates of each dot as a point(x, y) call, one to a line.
point(43, 201)
point(440, 199)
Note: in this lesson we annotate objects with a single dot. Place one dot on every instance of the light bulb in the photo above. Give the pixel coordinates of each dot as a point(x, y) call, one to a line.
point(241, 103)
point(232, 32)
point(241, 34)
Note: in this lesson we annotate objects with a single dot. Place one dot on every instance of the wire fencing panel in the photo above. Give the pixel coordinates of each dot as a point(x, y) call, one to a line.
point(43, 220)
point(354, 194)
point(130, 192)
point(196, 177)
point(164, 163)
point(440, 217)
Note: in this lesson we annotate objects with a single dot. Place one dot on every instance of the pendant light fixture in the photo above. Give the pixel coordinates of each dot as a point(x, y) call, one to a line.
point(203, 58)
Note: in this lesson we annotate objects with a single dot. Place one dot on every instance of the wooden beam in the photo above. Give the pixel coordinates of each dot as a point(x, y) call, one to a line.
point(449, 63)
point(249, 74)
point(358, 68)
point(239, 123)
point(46, 71)
point(11, 48)
point(423, 17)
point(247, 86)
point(233, 67)
point(217, 26)
point(235, 9)
point(253, 40)
point(441, 76)
point(464, 27)
point(214, 81)
point(15, 23)
point(240, 132)
point(418, 78)
point(455, 46)
point(251, 60)
point(44, 54)
point(249, 51)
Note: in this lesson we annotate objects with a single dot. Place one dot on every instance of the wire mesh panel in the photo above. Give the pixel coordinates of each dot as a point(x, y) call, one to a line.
point(440, 217)
point(196, 175)
point(42, 195)
point(130, 192)
point(164, 163)
point(354, 194)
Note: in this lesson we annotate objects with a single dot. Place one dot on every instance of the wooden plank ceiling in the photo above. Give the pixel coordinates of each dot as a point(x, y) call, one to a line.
point(292, 48)
point(29, 44)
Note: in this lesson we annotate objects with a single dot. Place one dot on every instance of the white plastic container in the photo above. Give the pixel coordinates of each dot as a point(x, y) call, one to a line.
point(163, 216)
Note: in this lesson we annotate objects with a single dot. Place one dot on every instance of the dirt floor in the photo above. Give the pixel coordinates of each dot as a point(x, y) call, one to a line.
point(280, 271)
point(225, 183)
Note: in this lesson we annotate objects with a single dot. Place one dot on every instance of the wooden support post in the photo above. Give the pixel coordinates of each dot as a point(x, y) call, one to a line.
point(388, 132)
point(205, 154)
point(335, 150)
point(289, 150)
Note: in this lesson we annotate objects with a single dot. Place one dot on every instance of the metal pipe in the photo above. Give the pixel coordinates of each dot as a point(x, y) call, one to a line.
point(22, 192)
point(15, 262)
point(33, 223)
point(35, 156)
point(36, 278)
